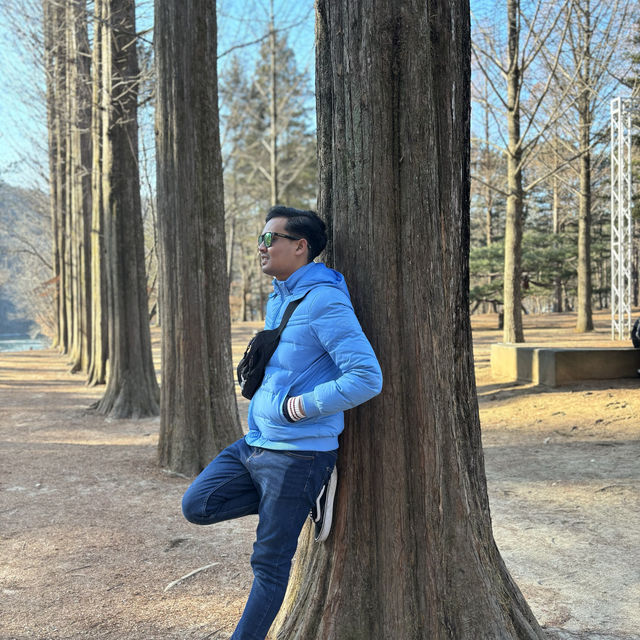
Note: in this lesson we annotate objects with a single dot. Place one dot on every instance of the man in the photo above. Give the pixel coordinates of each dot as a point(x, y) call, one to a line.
point(284, 468)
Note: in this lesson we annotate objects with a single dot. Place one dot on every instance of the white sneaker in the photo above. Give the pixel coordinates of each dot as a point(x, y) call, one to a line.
point(322, 513)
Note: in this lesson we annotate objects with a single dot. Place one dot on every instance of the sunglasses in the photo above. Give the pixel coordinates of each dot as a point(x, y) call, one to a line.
point(268, 238)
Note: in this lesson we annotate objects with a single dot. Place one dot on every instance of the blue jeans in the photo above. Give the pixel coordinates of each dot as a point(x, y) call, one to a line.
point(281, 487)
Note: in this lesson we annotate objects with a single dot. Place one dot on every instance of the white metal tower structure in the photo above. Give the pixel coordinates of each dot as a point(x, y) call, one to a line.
point(621, 112)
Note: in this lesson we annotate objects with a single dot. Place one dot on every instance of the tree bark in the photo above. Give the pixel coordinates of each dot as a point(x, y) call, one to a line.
point(512, 330)
point(51, 29)
point(132, 389)
point(97, 373)
point(79, 171)
point(67, 67)
point(59, 188)
point(584, 320)
point(69, 278)
point(557, 281)
point(199, 414)
point(411, 555)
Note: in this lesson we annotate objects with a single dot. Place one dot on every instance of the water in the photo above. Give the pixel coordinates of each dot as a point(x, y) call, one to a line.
point(22, 343)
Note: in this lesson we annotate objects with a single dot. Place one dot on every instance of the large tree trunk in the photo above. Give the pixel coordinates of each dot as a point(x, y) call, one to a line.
point(132, 389)
point(99, 121)
point(199, 412)
point(512, 330)
point(411, 555)
point(79, 170)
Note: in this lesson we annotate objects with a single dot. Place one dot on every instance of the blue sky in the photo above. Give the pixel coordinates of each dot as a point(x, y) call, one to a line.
point(23, 135)
point(22, 128)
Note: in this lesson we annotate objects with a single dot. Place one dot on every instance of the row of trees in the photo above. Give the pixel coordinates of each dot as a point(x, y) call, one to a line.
point(96, 211)
point(413, 554)
point(25, 262)
point(93, 93)
point(544, 74)
point(208, 242)
point(269, 152)
point(529, 239)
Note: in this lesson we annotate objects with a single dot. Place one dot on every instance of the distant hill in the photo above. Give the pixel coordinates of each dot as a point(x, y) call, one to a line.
point(25, 256)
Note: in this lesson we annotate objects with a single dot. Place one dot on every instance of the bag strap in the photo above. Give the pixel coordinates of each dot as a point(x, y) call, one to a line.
point(291, 307)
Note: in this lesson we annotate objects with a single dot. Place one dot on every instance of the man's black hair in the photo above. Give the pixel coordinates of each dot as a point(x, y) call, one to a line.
point(305, 224)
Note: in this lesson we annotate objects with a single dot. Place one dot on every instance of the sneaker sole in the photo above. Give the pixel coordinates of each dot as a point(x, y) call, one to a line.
point(317, 507)
point(328, 507)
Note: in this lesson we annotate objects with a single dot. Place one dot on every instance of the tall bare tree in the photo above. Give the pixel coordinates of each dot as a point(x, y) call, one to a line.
point(67, 72)
point(132, 389)
point(199, 414)
point(78, 175)
point(515, 199)
point(488, 165)
point(592, 65)
point(54, 27)
point(268, 147)
point(530, 29)
point(412, 554)
point(99, 355)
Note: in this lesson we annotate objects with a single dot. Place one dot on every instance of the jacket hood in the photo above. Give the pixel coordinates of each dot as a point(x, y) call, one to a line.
point(308, 277)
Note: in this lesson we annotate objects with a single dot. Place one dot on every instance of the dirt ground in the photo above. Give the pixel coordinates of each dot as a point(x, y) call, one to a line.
point(92, 540)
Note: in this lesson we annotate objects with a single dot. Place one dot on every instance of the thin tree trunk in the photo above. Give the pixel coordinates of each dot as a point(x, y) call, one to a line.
point(245, 293)
point(585, 318)
point(557, 281)
point(635, 281)
point(512, 330)
point(232, 237)
point(411, 555)
point(56, 15)
point(199, 412)
point(72, 200)
point(264, 294)
point(50, 23)
point(487, 166)
point(61, 190)
point(273, 109)
point(132, 389)
point(70, 280)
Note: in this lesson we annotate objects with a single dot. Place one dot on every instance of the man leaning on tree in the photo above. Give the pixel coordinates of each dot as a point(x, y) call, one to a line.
point(284, 468)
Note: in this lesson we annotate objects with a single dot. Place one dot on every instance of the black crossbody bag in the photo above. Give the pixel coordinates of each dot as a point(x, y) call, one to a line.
point(251, 368)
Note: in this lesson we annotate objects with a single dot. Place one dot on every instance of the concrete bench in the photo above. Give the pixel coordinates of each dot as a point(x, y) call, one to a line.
point(555, 366)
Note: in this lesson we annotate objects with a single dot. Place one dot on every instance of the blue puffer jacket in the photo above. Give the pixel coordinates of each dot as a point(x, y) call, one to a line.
point(323, 356)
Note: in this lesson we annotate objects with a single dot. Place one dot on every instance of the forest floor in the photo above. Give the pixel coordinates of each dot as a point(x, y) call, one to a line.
point(92, 538)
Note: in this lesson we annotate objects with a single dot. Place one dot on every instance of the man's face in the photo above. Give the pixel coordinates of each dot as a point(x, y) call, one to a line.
point(284, 256)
